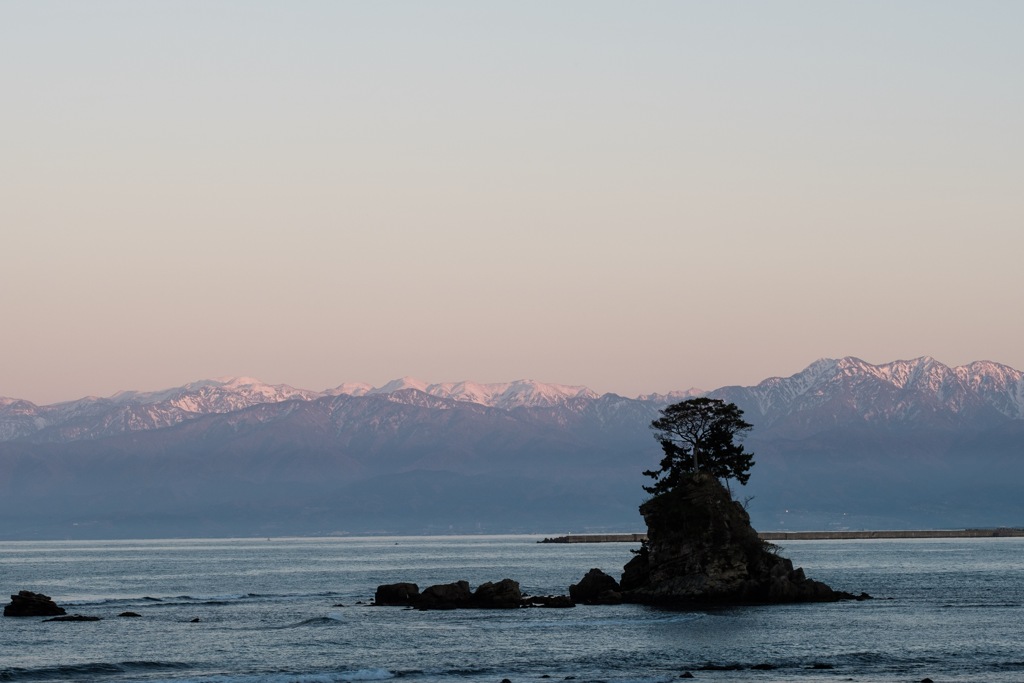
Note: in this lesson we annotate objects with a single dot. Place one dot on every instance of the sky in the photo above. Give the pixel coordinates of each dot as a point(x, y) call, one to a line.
point(635, 197)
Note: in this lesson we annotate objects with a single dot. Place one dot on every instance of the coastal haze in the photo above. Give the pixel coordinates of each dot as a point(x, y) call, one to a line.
point(841, 445)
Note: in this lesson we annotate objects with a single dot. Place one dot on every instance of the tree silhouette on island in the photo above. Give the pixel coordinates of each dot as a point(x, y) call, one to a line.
point(700, 434)
point(701, 547)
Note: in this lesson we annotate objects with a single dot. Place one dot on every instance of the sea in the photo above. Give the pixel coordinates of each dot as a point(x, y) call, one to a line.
point(296, 610)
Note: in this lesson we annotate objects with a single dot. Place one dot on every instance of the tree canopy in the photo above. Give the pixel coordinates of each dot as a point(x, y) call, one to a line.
point(700, 434)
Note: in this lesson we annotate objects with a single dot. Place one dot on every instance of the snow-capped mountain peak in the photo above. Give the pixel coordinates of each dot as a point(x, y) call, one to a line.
point(503, 395)
point(900, 389)
point(350, 389)
point(400, 385)
point(827, 392)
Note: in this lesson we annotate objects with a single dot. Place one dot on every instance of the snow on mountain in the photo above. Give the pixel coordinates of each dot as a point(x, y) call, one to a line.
point(672, 396)
point(999, 385)
point(831, 390)
point(350, 389)
point(130, 411)
point(18, 418)
point(217, 395)
point(535, 394)
point(506, 395)
point(400, 384)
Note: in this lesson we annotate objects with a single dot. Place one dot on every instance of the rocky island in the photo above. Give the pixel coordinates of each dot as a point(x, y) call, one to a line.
point(29, 604)
point(701, 549)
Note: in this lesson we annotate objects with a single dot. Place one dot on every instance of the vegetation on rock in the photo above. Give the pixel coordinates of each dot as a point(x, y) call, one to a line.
point(700, 435)
point(701, 547)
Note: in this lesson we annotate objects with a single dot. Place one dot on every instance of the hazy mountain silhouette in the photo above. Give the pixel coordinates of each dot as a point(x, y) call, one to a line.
point(841, 444)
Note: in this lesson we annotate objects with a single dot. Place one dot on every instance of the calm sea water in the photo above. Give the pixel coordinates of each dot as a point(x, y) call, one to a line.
point(287, 610)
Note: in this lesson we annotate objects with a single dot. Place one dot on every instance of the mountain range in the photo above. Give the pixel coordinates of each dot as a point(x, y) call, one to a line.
point(841, 444)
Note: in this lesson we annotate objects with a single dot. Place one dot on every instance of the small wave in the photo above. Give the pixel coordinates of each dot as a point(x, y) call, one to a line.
point(982, 605)
point(866, 657)
point(367, 675)
point(467, 672)
point(329, 620)
point(210, 598)
point(77, 671)
point(1010, 666)
point(146, 665)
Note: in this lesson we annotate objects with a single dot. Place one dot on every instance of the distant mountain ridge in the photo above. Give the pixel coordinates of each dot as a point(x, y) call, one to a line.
point(130, 411)
point(828, 390)
point(904, 444)
point(850, 389)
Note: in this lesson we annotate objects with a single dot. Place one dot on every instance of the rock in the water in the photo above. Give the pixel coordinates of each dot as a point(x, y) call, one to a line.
point(701, 548)
point(397, 594)
point(554, 601)
point(721, 667)
point(29, 604)
point(74, 617)
point(446, 596)
point(129, 614)
point(504, 594)
point(596, 588)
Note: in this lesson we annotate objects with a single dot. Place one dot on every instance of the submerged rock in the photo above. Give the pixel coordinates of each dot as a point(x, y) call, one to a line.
point(29, 604)
point(74, 617)
point(701, 549)
point(552, 601)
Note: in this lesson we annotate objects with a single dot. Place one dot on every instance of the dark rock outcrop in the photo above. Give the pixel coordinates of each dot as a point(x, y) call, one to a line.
point(29, 604)
point(446, 596)
point(504, 594)
point(553, 601)
point(701, 549)
point(596, 588)
point(75, 617)
point(397, 594)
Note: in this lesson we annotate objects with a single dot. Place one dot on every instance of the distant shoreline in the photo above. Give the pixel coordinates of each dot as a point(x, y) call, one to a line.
point(1002, 532)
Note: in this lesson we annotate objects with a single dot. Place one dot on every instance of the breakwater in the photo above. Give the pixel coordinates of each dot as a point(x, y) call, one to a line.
point(908, 533)
point(597, 538)
point(1002, 532)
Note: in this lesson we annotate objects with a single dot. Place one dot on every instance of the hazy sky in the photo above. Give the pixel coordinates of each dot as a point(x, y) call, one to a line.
point(632, 196)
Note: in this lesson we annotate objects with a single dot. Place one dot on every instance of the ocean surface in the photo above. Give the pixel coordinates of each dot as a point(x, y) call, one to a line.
point(293, 610)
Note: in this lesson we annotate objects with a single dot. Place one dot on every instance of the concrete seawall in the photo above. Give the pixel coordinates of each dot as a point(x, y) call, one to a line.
point(918, 533)
point(812, 535)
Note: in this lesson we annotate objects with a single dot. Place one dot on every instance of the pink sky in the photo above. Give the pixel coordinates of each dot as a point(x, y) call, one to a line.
point(632, 199)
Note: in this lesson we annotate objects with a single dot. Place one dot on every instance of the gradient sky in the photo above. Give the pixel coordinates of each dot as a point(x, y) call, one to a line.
point(636, 197)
